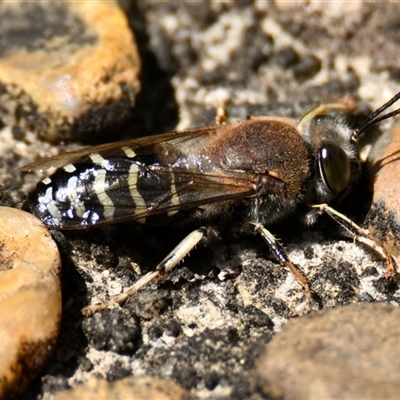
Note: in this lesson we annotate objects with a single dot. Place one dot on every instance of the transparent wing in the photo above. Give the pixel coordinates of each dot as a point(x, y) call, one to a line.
point(178, 189)
point(115, 149)
point(134, 179)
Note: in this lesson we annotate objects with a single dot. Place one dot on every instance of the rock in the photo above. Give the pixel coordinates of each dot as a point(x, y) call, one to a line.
point(30, 299)
point(347, 353)
point(128, 388)
point(67, 69)
point(383, 219)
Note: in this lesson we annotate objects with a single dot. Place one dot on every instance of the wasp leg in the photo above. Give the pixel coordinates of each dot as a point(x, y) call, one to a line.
point(169, 262)
point(361, 235)
point(281, 255)
point(221, 115)
point(183, 249)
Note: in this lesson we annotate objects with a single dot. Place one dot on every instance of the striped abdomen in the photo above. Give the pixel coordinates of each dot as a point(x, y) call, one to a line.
point(84, 194)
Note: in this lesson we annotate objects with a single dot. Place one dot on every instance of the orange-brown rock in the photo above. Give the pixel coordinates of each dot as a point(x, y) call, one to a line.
point(30, 299)
point(383, 219)
point(67, 69)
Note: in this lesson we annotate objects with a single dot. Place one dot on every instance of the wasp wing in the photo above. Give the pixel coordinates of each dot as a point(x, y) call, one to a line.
point(134, 179)
point(168, 190)
point(116, 149)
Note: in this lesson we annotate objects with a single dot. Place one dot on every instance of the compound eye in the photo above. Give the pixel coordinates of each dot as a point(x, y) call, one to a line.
point(334, 166)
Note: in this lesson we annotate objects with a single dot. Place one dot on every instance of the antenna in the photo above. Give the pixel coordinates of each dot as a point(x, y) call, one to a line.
point(374, 118)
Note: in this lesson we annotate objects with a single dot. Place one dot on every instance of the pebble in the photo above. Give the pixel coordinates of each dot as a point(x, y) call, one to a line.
point(67, 69)
point(383, 219)
point(30, 299)
point(346, 353)
point(127, 389)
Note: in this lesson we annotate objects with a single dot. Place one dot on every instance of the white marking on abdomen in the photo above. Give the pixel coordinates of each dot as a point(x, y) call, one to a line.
point(69, 168)
point(100, 187)
point(128, 152)
point(174, 195)
point(96, 158)
point(136, 196)
point(78, 206)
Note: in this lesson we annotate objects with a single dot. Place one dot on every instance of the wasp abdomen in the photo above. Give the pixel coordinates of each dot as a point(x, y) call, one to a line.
point(101, 190)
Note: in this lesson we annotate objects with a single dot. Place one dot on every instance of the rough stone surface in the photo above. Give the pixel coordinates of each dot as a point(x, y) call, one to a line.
point(206, 322)
point(120, 333)
point(67, 69)
point(347, 353)
point(126, 389)
point(30, 299)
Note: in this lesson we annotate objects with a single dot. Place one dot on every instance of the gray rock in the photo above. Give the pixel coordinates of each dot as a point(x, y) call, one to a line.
point(347, 353)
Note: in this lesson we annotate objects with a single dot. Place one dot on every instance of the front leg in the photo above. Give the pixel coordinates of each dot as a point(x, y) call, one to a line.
point(361, 235)
point(281, 255)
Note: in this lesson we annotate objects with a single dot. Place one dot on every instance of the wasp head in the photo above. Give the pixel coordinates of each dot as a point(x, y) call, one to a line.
point(336, 159)
point(334, 147)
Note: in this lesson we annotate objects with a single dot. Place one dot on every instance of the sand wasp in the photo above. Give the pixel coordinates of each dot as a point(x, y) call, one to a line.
point(268, 166)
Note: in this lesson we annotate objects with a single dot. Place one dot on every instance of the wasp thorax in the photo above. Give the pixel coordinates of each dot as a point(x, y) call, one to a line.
point(269, 147)
point(264, 146)
point(270, 153)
